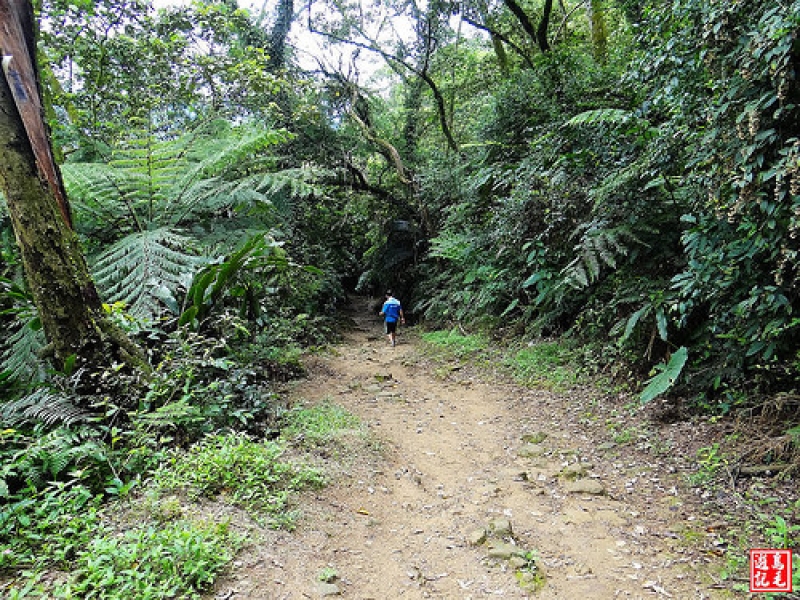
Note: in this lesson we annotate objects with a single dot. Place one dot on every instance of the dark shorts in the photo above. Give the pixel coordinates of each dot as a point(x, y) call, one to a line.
point(391, 326)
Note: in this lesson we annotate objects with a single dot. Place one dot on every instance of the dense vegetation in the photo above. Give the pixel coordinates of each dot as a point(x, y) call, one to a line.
point(621, 173)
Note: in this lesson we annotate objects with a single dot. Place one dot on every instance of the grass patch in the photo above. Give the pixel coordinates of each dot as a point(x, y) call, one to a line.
point(546, 364)
point(318, 425)
point(549, 365)
point(455, 344)
point(175, 560)
point(47, 527)
point(66, 541)
point(248, 473)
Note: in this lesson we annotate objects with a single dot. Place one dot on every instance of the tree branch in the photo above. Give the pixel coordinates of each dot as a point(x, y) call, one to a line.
point(397, 61)
point(500, 36)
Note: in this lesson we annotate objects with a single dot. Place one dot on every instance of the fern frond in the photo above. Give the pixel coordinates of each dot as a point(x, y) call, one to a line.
point(598, 246)
point(132, 268)
point(171, 415)
point(49, 406)
point(602, 116)
point(20, 358)
point(220, 152)
point(283, 187)
point(98, 191)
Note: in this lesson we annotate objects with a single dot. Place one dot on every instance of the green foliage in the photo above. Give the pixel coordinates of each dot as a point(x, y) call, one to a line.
point(248, 472)
point(666, 377)
point(654, 200)
point(160, 200)
point(317, 426)
point(50, 526)
point(48, 404)
point(457, 344)
point(20, 357)
point(179, 559)
point(710, 460)
point(258, 257)
point(202, 60)
point(144, 268)
point(197, 388)
point(32, 460)
point(544, 364)
point(62, 527)
point(19, 360)
point(735, 297)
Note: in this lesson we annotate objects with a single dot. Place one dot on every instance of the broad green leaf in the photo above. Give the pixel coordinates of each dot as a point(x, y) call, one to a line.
point(667, 377)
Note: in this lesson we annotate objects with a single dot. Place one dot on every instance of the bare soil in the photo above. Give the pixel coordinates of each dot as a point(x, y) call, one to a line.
point(449, 452)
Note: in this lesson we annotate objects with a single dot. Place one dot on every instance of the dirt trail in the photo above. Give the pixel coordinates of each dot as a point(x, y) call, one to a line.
point(455, 455)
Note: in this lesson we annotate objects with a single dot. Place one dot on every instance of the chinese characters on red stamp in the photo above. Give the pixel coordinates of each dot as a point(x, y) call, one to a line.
point(770, 570)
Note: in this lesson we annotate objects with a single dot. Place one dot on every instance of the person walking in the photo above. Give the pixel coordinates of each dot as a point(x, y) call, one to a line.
point(392, 312)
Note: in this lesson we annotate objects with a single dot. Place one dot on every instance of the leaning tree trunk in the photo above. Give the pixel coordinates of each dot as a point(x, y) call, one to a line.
point(69, 307)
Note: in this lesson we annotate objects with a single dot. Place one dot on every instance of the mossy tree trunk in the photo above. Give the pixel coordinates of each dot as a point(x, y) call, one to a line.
point(69, 306)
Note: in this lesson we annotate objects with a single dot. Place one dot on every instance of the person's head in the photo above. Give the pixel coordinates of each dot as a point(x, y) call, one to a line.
point(389, 293)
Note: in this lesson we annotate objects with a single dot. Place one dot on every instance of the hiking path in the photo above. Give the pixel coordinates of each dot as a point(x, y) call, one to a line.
point(468, 486)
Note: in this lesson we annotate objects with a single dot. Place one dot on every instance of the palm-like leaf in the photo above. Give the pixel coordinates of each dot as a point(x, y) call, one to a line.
point(157, 199)
point(135, 269)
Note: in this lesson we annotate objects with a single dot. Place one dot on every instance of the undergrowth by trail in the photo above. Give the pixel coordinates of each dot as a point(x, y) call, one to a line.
point(154, 535)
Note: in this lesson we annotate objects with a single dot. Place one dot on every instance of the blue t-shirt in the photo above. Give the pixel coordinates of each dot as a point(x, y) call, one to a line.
point(391, 310)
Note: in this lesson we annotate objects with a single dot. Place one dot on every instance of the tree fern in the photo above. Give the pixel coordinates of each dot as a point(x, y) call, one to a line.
point(158, 200)
point(157, 183)
point(135, 269)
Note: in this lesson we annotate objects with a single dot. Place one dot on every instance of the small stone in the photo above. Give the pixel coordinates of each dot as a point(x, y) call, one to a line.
point(502, 550)
point(575, 470)
point(477, 537)
point(328, 589)
point(527, 578)
point(582, 570)
point(586, 486)
point(500, 528)
point(607, 446)
point(518, 562)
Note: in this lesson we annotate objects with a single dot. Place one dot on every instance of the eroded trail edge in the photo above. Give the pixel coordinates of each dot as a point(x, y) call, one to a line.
point(468, 489)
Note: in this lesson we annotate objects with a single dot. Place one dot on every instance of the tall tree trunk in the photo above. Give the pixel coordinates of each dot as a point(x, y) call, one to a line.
point(69, 306)
point(597, 23)
point(412, 105)
point(523, 18)
point(284, 14)
point(500, 53)
point(537, 34)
